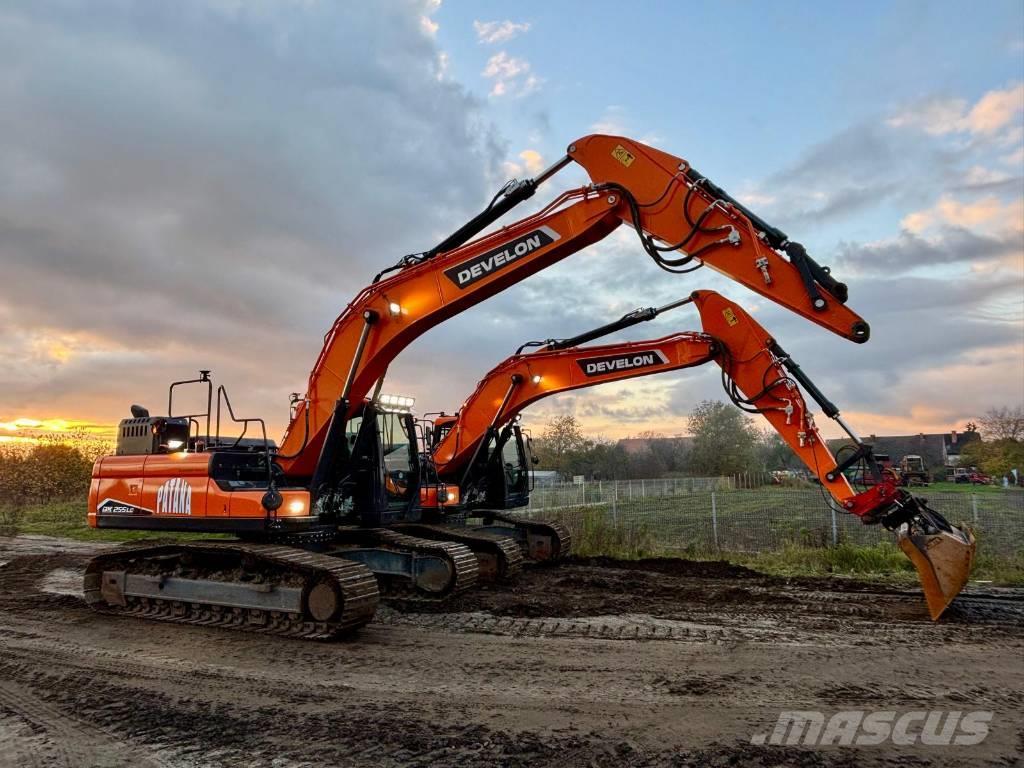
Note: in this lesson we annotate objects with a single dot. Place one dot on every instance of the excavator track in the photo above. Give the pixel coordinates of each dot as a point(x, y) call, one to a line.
point(545, 541)
point(500, 557)
point(269, 589)
point(464, 570)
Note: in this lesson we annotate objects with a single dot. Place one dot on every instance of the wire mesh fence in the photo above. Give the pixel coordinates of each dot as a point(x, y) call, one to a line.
point(708, 515)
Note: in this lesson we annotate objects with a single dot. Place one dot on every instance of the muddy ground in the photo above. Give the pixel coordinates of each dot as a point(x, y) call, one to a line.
point(591, 663)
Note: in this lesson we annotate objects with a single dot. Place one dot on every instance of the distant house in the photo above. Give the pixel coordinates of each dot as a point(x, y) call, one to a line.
point(937, 450)
point(955, 441)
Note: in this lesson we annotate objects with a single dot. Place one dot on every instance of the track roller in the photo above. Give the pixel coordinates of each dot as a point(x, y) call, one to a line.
point(260, 588)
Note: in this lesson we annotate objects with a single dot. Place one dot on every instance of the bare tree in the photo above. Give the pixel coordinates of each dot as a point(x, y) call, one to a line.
point(1003, 423)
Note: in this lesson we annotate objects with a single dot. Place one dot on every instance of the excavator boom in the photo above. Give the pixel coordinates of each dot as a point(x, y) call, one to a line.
point(760, 378)
point(683, 221)
point(523, 379)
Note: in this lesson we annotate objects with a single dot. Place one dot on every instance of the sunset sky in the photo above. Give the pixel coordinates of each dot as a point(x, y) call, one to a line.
point(206, 183)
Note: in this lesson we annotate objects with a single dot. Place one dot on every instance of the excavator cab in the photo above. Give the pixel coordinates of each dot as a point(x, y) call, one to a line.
point(384, 462)
point(502, 476)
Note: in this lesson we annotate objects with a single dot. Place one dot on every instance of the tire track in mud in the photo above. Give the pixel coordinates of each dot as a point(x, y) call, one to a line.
point(58, 739)
point(447, 687)
point(204, 734)
point(989, 621)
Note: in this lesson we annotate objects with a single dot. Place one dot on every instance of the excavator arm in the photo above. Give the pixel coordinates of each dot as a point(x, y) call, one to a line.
point(682, 219)
point(760, 378)
point(561, 366)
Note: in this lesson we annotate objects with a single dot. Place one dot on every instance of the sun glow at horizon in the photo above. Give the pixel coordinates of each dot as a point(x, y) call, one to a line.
point(25, 432)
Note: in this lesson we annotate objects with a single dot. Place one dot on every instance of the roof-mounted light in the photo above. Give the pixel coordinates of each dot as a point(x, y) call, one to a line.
point(398, 403)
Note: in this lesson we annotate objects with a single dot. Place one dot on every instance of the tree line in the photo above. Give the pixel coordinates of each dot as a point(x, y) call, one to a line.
point(722, 441)
point(1002, 448)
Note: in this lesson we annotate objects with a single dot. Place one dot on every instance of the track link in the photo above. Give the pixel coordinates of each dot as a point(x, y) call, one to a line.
point(559, 541)
point(465, 570)
point(499, 556)
point(349, 588)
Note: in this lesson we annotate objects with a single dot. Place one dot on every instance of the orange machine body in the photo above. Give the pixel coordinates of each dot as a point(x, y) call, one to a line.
point(176, 491)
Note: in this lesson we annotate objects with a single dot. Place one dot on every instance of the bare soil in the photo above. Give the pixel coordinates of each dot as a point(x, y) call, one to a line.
point(595, 662)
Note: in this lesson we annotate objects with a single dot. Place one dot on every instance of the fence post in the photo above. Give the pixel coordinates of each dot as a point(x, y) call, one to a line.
point(835, 530)
point(714, 519)
point(643, 488)
point(615, 503)
point(974, 506)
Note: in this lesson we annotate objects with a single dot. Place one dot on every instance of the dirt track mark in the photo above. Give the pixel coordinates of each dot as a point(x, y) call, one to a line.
point(204, 734)
point(457, 686)
point(55, 738)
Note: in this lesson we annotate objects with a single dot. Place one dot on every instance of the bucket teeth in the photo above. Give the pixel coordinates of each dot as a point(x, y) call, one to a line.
point(943, 560)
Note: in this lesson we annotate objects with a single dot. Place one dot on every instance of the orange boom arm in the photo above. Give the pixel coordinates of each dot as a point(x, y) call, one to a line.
point(759, 378)
point(523, 379)
point(731, 337)
point(684, 221)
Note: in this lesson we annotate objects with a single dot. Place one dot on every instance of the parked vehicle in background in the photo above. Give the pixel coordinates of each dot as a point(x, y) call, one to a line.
point(913, 471)
point(970, 475)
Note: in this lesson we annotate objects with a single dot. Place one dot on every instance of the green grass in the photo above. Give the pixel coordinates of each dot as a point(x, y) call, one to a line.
point(593, 534)
point(882, 561)
point(847, 559)
point(68, 519)
point(963, 488)
point(803, 552)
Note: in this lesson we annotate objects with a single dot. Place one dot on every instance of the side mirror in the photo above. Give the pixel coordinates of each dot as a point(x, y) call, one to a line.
point(534, 460)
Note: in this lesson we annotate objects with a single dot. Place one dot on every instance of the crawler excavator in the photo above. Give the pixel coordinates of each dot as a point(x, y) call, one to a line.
point(314, 517)
point(483, 449)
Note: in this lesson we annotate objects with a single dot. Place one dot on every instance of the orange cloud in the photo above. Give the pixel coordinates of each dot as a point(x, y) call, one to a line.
point(990, 114)
point(989, 213)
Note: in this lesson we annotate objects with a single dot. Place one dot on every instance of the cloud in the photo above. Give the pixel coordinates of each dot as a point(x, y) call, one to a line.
point(511, 76)
point(612, 121)
point(909, 250)
point(429, 26)
point(489, 32)
point(532, 160)
point(168, 205)
point(860, 168)
point(989, 213)
point(994, 111)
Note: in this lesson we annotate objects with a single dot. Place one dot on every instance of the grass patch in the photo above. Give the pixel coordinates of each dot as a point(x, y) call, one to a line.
point(883, 561)
point(67, 519)
point(594, 533)
point(945, 487)
point(846, 559)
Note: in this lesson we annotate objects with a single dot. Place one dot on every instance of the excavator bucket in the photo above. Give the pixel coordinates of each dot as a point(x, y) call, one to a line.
point(943, 557)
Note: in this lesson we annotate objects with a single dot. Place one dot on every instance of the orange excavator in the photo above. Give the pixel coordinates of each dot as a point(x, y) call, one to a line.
point(483, 449)
point(315, 517)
